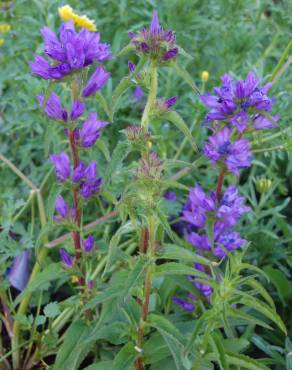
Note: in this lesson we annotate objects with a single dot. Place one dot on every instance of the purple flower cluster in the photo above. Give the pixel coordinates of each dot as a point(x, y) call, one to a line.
point(199, 210)
point(241, 103)
point(85, 177)
point(235, 155)
point(155, 41)
point(70, 52)
point(225, 213)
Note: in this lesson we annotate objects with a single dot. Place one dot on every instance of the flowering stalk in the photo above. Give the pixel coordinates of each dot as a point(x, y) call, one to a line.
point(152, 95)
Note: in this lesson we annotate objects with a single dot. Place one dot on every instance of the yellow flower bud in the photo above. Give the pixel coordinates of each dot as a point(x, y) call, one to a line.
point(205, 76)
point(5, 27)
point(1, 42)
point(66, 12)
point(82, 21)
point(149, 144)
point(263, 185)
point(74, 279)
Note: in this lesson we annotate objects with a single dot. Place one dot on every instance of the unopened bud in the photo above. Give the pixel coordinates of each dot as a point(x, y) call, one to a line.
point(205, 76)
point(263, 185)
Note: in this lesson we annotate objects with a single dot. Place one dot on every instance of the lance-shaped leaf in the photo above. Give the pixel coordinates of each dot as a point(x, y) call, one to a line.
point(124, 360)
point(218, 348)
point(173, 268)
point(177, 120)
point(171, 251)
point(245, 362)
point(184, 74)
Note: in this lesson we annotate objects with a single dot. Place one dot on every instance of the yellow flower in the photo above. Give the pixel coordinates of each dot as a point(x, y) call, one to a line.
point(1, 42)
point(82, 21)
point(74, 279)
point(205, 76)
point(66, 12)
point(5, 27)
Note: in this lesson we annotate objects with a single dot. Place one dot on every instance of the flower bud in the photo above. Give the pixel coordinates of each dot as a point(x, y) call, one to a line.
point(205, 76)
point(263, 185)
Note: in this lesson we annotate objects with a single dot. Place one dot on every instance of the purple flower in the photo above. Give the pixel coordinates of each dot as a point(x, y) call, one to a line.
point(235, 155)
point(18, 273)
point(88, 243)
point(261, 122)
point(170, 196)
point(62, 207)
point(90, 131)
point(41, 67)
point(78, 172)
point(170, 54)
point(97, 80)
point(155, 41)
point(184, 304)
point(204, 288)
point(67, 260)
point(91, 183)
point(199, 204)
point(72, 51)
point(55, 110)
point(77, 109)
point(131, 67)
point(138, 93)
point(169, 102)
point(240, 102)
point(62, 166)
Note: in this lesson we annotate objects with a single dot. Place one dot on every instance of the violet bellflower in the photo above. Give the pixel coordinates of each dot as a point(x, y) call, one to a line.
point(90, 131)
point(241, 103)
point(18, 273)
point(155, 41)
point(235, 154)
point(90, 183)
point(88, 244)
point(96, 82)
point(67, 260)
point(55, 110)
point(63, 211)
point(70, 52)
point(62, 166)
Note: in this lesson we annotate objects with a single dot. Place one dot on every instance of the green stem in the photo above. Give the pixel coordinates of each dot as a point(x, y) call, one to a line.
point(152, 95)
point(281, 61)
point(26, 299)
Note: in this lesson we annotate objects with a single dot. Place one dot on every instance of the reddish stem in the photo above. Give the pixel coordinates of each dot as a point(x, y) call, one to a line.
point(76, 234)
point(220, 184)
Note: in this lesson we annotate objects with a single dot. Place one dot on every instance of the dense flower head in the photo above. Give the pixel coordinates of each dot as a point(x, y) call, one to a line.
point(235, 154)
point(54, 109)
point(155, 41)
point(241, 103)
point(226, 211)
point(70, 52)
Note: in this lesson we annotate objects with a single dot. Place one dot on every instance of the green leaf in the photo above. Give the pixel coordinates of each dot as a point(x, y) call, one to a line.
point(173, 268)
point(244, 362)
point(155, 349)
point(164, 222)
point(109, 293)
point(52, 272)
point(280, 281)
point(103, 365)
point(261, 290)
point(244, 317)
point(120, 153)
point(52, 310)
point(103, 148)
point(171, 335)
point(164, 325)
point(177, 120)
point(74, 349)
point(124, 360)
point(184, 74)
point(267, 348)
point(134, 276)
point(124, 229)
point(171, 251)
point(263, 308)
point(100, 98)
point(218, 348)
